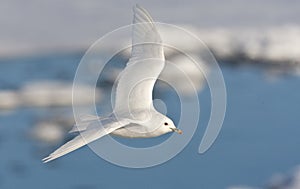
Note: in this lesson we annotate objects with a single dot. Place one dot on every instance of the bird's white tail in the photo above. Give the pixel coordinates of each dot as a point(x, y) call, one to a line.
point(85, 121)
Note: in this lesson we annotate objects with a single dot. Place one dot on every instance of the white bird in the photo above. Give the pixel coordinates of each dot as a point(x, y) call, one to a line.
point(134, 115)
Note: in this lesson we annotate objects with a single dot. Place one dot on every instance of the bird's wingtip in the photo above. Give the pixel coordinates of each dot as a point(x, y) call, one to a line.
point(47, 159)
point(136, 7)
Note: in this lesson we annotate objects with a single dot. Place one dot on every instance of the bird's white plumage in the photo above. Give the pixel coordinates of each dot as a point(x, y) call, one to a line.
point(146, 41)
point(134, 115)
point(135, 85)
point(93, 131)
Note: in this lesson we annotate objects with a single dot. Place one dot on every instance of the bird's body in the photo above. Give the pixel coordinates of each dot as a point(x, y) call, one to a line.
point(147, 125)
point(134, 115)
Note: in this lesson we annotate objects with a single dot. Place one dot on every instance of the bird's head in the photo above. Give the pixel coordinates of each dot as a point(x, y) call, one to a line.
point(169, 126)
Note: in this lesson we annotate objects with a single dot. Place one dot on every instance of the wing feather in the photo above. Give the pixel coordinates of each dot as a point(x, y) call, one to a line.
point(93, 132)
point(136, 82)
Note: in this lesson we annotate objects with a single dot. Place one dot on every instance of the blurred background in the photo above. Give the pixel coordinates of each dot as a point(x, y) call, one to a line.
point(257, 44)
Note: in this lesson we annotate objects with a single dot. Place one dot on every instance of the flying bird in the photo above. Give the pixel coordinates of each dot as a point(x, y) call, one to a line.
point(134, 115)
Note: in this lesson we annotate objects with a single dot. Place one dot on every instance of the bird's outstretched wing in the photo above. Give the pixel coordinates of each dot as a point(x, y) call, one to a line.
point(93, 132)
point(136, 82)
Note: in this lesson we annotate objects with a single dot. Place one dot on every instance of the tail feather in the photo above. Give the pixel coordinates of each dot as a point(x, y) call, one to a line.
point(79, 127)
point(85, 121)
point(87, 117)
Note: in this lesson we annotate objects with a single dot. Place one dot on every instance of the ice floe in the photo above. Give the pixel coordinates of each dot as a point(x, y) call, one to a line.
point(44, 94)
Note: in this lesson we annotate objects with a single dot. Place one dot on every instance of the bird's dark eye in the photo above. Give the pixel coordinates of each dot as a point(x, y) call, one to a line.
point(166, 123)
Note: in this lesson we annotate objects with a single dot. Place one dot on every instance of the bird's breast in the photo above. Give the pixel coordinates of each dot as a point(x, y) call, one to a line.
point(129, 133)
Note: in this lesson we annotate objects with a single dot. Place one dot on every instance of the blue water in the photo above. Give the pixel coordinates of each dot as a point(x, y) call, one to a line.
point(260, 136)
